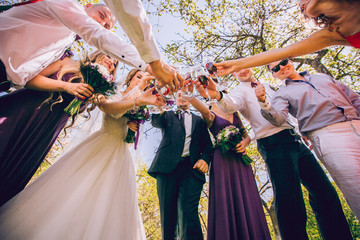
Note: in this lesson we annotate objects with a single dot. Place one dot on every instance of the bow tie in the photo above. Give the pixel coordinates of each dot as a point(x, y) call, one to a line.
point(186, 111)
point(253, 84)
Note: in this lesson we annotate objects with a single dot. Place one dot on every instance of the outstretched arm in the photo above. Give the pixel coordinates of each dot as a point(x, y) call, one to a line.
point(229, 103)
point(353, 96)
point(315, 42)
point(133, 20)
point(119, 106)
point(74, 17)
point(204, 110)
point(131, 16)
point(277, 111)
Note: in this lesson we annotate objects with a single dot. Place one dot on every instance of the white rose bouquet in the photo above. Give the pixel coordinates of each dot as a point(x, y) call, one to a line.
point(99, 78)
point(228, 138)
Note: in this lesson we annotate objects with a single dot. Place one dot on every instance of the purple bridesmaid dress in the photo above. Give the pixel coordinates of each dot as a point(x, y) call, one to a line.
point(235, 210)
point(27, 133)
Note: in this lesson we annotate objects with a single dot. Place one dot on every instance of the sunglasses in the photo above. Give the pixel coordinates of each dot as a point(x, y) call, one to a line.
point(321, 20)
point(276, 68)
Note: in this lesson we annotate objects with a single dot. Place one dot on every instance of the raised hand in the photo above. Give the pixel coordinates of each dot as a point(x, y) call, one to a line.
point(211, 88)
point(79, 90)
point(226, 67)
point(166, 75)
point(260, 92)
point(145, 81)
point(201, 166)
point(147, 98)
point(187, 90)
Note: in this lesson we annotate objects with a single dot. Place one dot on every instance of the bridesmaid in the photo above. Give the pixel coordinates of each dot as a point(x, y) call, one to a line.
point(29, 127)
point(339, 21)
point(235, 209)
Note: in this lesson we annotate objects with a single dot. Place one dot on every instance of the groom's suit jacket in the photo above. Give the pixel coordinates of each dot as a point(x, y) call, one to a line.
point(171, 147)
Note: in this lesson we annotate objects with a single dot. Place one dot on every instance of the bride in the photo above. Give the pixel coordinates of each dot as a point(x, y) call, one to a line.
point(90, 192)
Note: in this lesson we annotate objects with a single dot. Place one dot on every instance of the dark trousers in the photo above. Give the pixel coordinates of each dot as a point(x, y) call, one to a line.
point(290, 164)
point(4, 83)
point(179, 195)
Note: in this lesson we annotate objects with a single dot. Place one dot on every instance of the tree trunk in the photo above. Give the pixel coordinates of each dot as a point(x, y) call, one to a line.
point(272, 214)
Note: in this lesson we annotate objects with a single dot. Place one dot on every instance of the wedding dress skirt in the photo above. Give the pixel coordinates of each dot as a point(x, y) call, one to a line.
point(89, 193)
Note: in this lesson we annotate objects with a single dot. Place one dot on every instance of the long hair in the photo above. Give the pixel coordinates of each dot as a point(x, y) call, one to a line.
point(76, 77)
point(130, 76)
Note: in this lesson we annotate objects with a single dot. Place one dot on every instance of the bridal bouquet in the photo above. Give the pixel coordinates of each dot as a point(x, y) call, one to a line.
point(138, 115)
point(98, 77)
point(228, 138)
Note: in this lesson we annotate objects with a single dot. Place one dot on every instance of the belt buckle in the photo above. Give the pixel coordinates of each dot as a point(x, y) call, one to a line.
point(292, 132)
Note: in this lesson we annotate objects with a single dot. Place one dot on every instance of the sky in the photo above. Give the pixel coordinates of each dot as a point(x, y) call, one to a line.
point(166, 28)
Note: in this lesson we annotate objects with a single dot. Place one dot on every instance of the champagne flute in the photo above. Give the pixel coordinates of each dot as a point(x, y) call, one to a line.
point(164, 92)
point(203, 77)
point(208, 63)
point(187, 75)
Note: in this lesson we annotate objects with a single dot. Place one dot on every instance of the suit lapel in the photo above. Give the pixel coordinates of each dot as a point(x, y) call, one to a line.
point(193, 123)
point(181, 120)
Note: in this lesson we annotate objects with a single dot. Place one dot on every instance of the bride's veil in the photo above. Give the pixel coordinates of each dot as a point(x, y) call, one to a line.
point(89, 124)
point(86, 124)
point(84, 127)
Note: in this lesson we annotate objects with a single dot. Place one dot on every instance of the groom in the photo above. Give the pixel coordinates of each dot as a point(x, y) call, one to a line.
point(179, 166)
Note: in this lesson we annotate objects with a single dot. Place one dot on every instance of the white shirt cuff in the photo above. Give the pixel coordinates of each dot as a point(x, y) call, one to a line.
point(265, 105)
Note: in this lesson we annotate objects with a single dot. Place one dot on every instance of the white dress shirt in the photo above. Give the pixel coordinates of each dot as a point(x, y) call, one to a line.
point(243, 99)
point(188, 125)
point(35, 35)
point(133, 19)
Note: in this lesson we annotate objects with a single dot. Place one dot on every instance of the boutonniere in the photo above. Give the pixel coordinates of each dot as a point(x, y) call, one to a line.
point(178, 112)
point(67, 53)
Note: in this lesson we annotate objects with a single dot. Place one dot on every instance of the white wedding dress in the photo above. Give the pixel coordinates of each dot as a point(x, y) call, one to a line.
point(89, 193)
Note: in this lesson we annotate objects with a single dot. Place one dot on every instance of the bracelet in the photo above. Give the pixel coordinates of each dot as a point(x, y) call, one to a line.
point(221, 95)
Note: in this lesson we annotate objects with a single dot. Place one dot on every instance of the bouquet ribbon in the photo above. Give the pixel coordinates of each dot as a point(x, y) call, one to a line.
point(136, 139)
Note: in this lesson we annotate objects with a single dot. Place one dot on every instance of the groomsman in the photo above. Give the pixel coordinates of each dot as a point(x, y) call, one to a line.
point(180, 163)
point(35, 35)
point(328, 113)
point(290, 164)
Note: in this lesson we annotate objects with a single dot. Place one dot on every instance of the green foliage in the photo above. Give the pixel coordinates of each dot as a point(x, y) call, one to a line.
point(228, 29)
point(312, 228)
point(148, 202)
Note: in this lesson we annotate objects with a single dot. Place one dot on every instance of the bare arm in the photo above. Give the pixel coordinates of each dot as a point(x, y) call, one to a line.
point(112, 106)
point(204, 110)
point(42, 83)
point(73, 16)
point(315, 42)
point(230, 103)
point(133, 19)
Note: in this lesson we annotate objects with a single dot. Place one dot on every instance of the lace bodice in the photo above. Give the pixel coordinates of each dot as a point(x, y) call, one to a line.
point(115, 123)
point(115, 126)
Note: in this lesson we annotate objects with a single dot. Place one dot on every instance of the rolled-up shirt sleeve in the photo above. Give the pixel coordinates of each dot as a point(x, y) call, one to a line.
point(233, 102)
point(353, 96)
point(74, 17)
point(133, 19)
point(277, 111)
